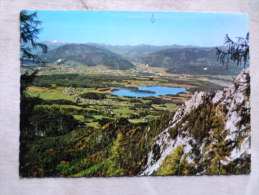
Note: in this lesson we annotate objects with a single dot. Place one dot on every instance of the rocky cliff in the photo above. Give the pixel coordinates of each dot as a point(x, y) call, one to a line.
point(209, 134)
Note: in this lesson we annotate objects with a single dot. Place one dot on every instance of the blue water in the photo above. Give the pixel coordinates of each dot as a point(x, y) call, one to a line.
point(158, 90)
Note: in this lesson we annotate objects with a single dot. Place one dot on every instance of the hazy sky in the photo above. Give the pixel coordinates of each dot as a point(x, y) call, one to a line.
point(132, 28)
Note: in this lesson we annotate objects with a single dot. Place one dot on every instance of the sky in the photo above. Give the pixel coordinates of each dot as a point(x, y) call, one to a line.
point(134, 28)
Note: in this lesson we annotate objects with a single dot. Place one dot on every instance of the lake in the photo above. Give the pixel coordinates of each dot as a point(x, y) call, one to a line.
point(147, 91)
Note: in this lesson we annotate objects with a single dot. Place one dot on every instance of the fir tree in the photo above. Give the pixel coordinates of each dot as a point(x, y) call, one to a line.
point(28, 35)
point(238, 51)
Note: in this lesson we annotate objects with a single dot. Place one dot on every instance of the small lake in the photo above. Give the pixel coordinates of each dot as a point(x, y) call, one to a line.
point(147, 91)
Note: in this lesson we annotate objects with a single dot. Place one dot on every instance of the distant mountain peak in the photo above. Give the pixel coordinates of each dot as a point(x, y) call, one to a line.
point(57, 41)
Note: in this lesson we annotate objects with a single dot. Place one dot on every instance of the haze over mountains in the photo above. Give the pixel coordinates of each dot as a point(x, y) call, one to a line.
point(176, 59)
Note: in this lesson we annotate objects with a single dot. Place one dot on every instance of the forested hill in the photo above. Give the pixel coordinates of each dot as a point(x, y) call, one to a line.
point(189, 61)
point(172, 57)
point(72, 54)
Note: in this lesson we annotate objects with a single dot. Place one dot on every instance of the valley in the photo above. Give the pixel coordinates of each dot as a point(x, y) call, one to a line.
point(129, 93)
point(117, 115)
point(73, 84)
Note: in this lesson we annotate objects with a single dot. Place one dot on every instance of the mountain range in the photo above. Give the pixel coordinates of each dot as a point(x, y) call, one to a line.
point(175, 59)
point(135, 53)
